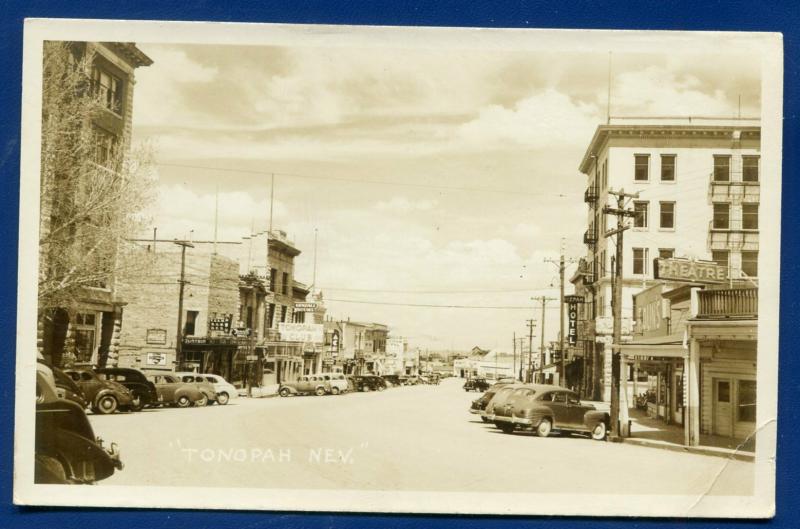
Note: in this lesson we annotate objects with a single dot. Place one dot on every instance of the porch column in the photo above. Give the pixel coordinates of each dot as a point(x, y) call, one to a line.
point(692, 366)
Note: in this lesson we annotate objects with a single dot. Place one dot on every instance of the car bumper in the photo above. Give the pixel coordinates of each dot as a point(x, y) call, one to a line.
point(476, 412)
point(513, 420)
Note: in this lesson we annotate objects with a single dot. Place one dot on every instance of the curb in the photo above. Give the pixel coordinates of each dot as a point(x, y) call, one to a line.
point(728, 454)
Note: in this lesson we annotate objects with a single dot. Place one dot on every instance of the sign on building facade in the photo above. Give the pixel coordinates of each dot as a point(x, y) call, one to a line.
point(301, 332)
point(690, 271)
point(157, 336)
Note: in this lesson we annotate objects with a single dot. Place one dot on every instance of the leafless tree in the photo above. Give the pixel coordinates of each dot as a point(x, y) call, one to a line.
point(92, 185)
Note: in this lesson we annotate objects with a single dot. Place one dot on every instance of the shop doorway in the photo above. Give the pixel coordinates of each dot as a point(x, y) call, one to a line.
point(723, 425)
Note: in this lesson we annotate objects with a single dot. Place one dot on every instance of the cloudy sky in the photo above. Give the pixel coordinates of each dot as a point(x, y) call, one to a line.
point(432, 176)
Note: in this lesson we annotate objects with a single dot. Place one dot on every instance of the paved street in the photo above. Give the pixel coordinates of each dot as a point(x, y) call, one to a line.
point(406, 438)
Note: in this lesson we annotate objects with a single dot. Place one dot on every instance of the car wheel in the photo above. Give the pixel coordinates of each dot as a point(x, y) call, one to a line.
point(222, 399)
point(137, 402)
point(320, 391)
point(381, 388)
point(334, 390)
point(365, 389)
point(203, 401)
point(184, 401)
point(506, 428)
point(484, 419)
point(544, 428)
point(106, 405)
point(599, 431)
point(284, 392)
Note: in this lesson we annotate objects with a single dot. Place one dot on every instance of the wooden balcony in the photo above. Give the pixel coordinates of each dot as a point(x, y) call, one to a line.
point(729, 303)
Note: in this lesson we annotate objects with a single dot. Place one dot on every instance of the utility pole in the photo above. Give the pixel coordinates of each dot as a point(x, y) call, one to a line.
point(529, 374)
point(182, 283)
point(543, 300)
point(561, 264)
point(514, 364)
point(621, 213)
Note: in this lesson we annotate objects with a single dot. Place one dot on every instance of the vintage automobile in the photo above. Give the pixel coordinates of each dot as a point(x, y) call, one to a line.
point(335, 383)
point(203, 384)
point(497, 400)
point(142, 390)
point(409, 380)
point(479, 405)
point(67, 388)
point(368, 383)
point(104, 396)
point(305, 385)
point(225, 390)
point(66, 448)
point(544, 408)
point(392, 380)
point(476, 384)
point(174, 392)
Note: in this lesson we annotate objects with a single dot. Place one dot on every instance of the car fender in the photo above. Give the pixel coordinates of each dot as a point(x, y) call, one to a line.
point(291, 389)
point(120, 397)
point(193, 394)
point(592, 417)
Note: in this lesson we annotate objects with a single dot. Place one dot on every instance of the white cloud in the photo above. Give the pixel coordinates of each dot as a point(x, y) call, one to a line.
point(401, 204)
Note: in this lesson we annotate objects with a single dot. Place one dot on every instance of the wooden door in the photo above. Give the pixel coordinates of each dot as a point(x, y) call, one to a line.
point(722, 406)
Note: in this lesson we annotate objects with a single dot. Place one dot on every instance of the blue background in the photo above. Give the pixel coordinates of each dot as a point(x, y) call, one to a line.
point(734, 15)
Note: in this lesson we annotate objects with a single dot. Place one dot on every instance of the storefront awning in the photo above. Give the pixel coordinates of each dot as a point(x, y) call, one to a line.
point(670, 346)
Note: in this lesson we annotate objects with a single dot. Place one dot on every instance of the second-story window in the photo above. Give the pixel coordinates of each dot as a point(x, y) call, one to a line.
point(640, 260)
point(285, 284)
point(722, 216)
point(750, 216)
point(640, 214)
point(667, 215)
point(641, 167)
point(722, 168)
point(750, 168)
point(108, 89)
point(273, 279)
point(750, 263)
point(666, 253)
point(720, 257)
point(668, 167)
point(105, 147)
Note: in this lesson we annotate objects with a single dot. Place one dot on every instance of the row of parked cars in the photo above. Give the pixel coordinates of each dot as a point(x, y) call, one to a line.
point(337, 383)
point(110, 389)
point(541, 408)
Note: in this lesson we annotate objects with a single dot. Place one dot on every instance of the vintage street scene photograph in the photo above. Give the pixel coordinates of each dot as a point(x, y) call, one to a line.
point(399, 269)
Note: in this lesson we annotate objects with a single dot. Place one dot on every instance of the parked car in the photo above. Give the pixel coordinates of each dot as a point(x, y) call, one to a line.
point(204, 385)
point(305, 385)
point(392, 380)
point(224, 389)
point(104, 396)
point(368, 383)
point(142, 390)
point(498, 400)
point(505, 380)
point(172, 391)
point(544, 408)
point(479, 405)
point(409, 380)
point(476, 384)
point(335, 383)
point(67, 388)
point(66, 448)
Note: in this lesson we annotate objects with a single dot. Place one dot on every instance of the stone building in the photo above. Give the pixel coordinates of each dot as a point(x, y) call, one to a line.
point(148, 338)
point(87, 329)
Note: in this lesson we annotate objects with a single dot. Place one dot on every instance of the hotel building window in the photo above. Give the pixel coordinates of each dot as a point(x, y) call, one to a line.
point(667, 215)
point(750, 168)
point(750, 216)
point(722, 216)
point(640, 214)
point(750, 263)
point(668, 167)
point(641, 167)
point(722, 168)
point(640, 260)
point(720, 257)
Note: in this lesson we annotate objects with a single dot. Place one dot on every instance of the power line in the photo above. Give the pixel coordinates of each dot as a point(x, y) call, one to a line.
point(382, 291)
point(377, 182)
point(511, 307)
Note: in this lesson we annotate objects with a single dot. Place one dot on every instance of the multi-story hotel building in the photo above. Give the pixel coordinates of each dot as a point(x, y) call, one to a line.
point(698, 184)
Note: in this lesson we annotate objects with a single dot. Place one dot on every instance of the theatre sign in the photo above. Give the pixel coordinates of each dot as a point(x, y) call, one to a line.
point(690, 271)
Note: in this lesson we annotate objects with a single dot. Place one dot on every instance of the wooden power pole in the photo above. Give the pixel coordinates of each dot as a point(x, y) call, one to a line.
point(529, 374)
point(182, 283)
point(621, 213)
point(543, 300)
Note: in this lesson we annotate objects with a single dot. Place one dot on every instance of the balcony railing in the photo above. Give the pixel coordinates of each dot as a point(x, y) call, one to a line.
point(590, 236)
point(728, 303)
point(590, 195)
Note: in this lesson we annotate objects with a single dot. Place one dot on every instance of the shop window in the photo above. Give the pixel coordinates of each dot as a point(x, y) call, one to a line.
point(750, 168)
point(750, 216)
point(746, 405)
point(667, 215)
point(722, 168)
point(668, 167)
point(640, 214)
point(641, 167)
point(750, 263)
point(722, 216)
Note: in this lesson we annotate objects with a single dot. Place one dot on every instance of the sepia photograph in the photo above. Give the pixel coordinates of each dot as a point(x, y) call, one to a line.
point(398, 269)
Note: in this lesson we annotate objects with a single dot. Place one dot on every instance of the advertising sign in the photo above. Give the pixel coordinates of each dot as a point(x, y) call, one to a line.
point(156, 359)
point(301, 332)
point(305, 307)
point(395, 347)
point(157, 336)
point(572, 311)
point(690, 271)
